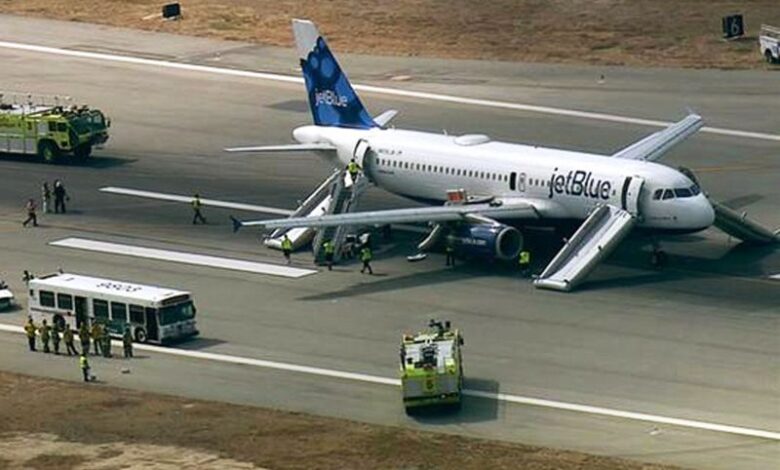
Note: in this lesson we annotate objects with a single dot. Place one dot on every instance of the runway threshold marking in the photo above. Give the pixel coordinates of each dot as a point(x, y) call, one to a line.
point(188, 199)
point(182, 257)
point(503, 397)
point(379, 90)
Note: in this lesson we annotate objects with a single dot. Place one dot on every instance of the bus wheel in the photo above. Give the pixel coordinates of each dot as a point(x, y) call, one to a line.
point(768, 56)
point(140, 335)
point(49, 151)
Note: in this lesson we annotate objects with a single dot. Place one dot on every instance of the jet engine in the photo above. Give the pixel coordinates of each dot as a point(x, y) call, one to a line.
point(487, 241)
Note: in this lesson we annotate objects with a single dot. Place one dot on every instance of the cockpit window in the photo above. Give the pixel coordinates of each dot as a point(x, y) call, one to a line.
point(695, 190)
point(657, 194)
point(668, 194)
point(682, 192)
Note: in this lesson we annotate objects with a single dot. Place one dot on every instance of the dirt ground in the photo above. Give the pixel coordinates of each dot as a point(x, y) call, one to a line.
point(55, 424)
point(677, 33)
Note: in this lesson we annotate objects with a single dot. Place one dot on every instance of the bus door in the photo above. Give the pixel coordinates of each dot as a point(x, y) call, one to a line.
point(80, 304)
point(152, 332)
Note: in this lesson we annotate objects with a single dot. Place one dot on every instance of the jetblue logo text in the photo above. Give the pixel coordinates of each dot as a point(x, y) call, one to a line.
point(330, 97)
point(579, 183)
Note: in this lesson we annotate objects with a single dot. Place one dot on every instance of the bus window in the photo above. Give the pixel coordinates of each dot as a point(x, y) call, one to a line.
point(136, 314)
point(177, 313)
point(100, 309)
point(64, 302)
point(119, 312)
point(47, 298)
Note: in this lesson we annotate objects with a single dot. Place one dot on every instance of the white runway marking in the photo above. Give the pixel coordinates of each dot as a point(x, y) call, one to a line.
point(188, 200)
point(575, 407)
point(379, 90)
point(181, 257)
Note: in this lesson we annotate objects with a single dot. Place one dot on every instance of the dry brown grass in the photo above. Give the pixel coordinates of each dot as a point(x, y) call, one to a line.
point(131, 422)
point(680, 33)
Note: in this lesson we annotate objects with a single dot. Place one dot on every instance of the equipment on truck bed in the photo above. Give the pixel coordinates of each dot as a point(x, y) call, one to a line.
point(432, 367)
point(48, 128)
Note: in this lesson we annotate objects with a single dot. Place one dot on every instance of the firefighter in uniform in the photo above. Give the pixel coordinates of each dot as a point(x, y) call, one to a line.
point(450, 252)
point(29, 330)
point(353, 169)
point(105, 342)
point(287, 247)
point(97, 335)
point(55, 338)
point(84, 338)
point(84, 364)
point(365, 257)
point(67, 336)
point(127, 342)
point(330, 250)
point(525, 262)
point(196, 205)
point(45, 336)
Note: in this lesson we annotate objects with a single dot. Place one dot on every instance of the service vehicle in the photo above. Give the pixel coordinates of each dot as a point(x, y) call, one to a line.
point(769, 42)
point(432, 367)
point(155, 314)
point(6, 296)
point(50, 131)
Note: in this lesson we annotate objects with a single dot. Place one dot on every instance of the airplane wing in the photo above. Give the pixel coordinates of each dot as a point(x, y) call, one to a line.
point(465, 212)
point(283, 148)
point(655, 146)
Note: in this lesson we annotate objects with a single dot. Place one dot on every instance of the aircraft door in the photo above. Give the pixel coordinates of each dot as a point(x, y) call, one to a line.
point(629, 197)
point(364, 157)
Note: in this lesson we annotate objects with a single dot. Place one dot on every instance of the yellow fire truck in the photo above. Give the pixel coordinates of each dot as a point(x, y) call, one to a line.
point(51, 131)
point(432, 367)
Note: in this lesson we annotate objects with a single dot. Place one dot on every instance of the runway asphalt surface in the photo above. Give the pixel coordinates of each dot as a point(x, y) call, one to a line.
point(699, 340)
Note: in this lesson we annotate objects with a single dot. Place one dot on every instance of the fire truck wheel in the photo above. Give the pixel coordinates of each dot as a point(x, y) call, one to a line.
point(49, 151)
point(768, 56)
point(83, 151)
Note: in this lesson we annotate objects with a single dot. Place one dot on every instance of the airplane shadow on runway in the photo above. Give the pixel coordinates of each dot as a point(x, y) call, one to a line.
point(472, 410)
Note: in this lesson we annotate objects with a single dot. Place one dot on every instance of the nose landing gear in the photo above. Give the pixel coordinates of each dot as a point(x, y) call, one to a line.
point(658, 256)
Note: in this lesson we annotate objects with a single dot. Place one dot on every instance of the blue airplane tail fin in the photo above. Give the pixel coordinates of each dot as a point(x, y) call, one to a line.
point(332, 99)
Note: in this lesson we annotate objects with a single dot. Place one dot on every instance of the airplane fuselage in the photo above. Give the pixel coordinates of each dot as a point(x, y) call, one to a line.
point(424, 166)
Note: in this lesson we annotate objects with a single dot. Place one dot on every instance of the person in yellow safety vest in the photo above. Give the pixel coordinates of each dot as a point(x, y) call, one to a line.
point(365, 257)
point(45, 336)
point(84, 338)
point(353, 169)
point(330, 250)
point(97, 335)
point(67, 336)
point(196, 205)
point(525, 262)
point(29, 330)
point(84, 364)
point(287, 247)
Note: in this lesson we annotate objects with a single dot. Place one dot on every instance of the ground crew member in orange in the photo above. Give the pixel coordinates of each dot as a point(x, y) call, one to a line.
point(365, 257)
point(97, 335)
point(287, 248)
point(330, 249)
point(45, 336)
point(525, 262)
point(84, 364)
point(84, 338)
point(196, 205)
point(353, 169)
point(67, 336)
point(29, 330)
point(55, 338)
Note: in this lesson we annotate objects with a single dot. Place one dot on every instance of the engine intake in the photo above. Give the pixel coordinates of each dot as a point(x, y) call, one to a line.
point(487, 241)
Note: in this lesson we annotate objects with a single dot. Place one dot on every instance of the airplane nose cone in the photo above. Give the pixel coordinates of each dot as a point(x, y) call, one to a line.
point(705, 214)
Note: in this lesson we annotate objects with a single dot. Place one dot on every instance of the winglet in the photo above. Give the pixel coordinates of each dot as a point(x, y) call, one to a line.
point(237, 224)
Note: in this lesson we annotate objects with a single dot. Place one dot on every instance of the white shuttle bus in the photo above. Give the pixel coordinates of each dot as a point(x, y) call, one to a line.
point(155, 314)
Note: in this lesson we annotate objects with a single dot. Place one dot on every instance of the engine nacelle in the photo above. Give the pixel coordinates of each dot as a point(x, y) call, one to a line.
point(487, 241)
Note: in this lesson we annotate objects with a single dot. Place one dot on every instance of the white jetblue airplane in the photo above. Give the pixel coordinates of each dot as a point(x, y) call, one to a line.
point(508, 185)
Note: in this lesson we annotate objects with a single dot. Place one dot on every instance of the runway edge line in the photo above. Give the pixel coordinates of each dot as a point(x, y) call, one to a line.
point(378, 90)
point(503, 397)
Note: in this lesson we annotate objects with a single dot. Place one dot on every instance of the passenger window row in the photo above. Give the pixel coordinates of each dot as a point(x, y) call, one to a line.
point(441, 169)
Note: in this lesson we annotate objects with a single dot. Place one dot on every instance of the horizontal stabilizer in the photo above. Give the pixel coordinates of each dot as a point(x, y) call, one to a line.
point(656, 145)
point(384, 119)
point(282, 148)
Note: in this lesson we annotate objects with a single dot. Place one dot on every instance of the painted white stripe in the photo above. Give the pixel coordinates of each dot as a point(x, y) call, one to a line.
point(188, 200)
point(575, 407)
point(181, 257)
point(379, 90)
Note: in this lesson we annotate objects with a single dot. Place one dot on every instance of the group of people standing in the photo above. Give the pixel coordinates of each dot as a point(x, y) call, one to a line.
point(96, 337)
point(57, 191)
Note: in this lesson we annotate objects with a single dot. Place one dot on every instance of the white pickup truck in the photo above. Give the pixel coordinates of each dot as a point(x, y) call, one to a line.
point(769, 42)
